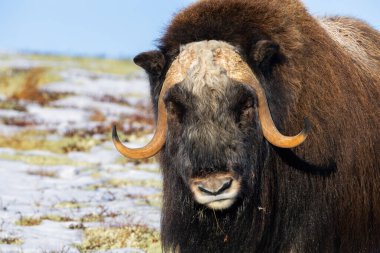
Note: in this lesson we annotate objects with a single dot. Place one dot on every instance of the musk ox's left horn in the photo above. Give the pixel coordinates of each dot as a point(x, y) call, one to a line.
point(238, 70)
point(173, 76)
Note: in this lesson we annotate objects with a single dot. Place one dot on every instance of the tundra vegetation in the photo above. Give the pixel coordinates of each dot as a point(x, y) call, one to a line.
point(63, 188)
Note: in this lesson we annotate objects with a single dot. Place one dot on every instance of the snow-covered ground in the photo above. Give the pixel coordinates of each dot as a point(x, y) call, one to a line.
point(59, 171)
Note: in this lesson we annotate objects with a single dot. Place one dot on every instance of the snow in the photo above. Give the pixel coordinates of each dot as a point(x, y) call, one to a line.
point(10, 113)
point(87, 103)
point(84, 85)
point(78, 185)
point(98, 155)
point(28, 195)
point(57, 115)
point(9, 130)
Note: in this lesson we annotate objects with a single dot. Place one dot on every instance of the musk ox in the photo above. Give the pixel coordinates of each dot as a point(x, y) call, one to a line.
point(232, 84)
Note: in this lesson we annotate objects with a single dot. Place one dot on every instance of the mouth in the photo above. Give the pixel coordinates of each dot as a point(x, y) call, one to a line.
point(217, 191)
point(220, 204)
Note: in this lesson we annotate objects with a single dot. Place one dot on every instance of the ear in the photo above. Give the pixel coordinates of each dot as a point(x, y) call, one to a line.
point(264, 53)
point(152, 61)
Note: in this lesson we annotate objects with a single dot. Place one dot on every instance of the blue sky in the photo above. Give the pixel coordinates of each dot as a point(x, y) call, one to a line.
point(117, 28)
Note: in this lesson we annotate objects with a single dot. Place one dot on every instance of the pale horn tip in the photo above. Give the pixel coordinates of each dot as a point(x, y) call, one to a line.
point(307, 126)
point(115, 137)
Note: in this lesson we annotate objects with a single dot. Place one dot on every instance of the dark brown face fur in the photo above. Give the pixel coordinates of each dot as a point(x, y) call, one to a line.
point(202, 141)
point(214, 137)
point(319, 197)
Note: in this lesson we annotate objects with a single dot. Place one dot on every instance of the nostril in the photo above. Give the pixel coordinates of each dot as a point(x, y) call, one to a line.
point(215, 188)
point(205, 190)
point(225, 186)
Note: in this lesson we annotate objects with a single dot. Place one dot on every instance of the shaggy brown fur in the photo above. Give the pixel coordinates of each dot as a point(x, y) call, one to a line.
point(323, 196)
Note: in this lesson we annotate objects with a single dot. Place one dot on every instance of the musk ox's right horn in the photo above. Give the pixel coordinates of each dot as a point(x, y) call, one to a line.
point(174, 75)
point(238, 70)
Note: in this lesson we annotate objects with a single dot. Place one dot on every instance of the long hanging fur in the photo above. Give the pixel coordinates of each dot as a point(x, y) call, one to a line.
point(323, 196)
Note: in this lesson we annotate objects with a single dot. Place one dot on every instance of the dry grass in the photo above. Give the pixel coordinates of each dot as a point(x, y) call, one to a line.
point(116, 183)
point(12, 105)
point(150, 200)
point(77, 226)
point(97, 116)
point(29, 87)
point(25, 83)
point(119, 183)
point(10, 240)
point(120, 237)
point(99, 216)
point(42, 160)
point(69, 204)
point(93, 64)
point(35, 221)
point(92, 217)
point(63, 250)
point(29, 221)
point(43, 173)
point(37, 140)
point(56, 218)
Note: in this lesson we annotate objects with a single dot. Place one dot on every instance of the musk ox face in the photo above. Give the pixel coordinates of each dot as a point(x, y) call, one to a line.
point(213, 130)
point(214, 118)
point(213, 145)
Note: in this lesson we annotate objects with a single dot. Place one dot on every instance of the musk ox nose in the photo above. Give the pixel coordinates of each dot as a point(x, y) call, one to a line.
point(216, 191)
point(214, 187)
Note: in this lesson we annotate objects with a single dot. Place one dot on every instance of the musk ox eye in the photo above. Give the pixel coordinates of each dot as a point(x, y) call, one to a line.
point(176, 110)
point(175, 104)
point(244, 108)
point(246, 112)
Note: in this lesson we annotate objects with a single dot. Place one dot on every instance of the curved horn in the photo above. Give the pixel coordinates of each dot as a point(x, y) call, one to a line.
point(238, 70)
point(173, 76)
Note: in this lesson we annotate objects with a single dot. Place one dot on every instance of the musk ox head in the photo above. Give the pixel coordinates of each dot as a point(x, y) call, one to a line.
point(213, 121)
